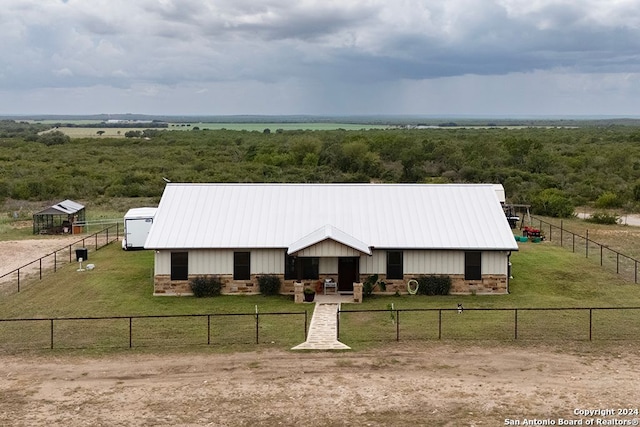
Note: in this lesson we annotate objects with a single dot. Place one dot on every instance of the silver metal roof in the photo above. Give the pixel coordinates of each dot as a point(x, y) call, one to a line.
point(67, 207)
point(401, 216)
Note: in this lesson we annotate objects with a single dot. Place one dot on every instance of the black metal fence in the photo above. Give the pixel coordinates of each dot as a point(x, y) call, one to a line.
point(16, 279)
point(153, 331)
point(624, 265)
point(506, 324)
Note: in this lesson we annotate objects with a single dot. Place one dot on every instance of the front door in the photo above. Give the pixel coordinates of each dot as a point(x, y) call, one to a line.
point(348, 272)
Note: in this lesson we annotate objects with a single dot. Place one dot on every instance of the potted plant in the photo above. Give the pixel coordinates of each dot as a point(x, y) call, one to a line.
point(309, 294)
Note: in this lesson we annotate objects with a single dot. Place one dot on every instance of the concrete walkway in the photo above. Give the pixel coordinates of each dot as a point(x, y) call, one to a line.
point(323, 329)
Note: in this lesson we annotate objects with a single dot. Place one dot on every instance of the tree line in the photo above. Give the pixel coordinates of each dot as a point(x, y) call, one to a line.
point(553, 169)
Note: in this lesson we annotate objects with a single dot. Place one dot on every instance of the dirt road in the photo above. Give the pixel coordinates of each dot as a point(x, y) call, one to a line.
point(415, 384)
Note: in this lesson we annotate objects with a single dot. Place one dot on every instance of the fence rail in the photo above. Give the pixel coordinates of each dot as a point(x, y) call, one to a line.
point(17, 278)
point(624, 265)
point(547, 324)
point(153, 330)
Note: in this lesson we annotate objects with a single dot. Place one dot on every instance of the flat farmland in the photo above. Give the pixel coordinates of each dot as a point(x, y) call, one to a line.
point(260, 127)
point(92, 132)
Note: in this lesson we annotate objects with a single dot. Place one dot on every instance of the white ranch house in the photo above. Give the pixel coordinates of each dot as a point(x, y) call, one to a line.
point(346, 232)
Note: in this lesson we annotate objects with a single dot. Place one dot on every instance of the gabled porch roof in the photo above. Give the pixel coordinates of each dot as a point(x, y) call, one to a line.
point(328, 232)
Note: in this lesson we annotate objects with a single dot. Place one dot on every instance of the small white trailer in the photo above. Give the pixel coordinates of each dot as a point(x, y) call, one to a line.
point(137, 223)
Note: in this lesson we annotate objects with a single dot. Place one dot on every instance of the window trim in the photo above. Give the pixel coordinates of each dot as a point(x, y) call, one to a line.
point(241, 270)
point(295, 267)
point(395, 271)
point(473, 265)
point(179, 265)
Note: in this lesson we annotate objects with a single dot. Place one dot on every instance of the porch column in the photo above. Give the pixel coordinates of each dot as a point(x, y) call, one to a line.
point(357, 292)
point(298, 295)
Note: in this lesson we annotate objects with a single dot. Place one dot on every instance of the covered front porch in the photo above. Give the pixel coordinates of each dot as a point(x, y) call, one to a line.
point(328, 261)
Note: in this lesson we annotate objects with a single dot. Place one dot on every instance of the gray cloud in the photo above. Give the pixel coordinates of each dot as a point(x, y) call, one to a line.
point(348, 44)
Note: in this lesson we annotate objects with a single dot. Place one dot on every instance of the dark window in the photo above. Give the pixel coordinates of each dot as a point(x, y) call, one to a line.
point(241, 265)
point(290, 271)
point(473, 266)
point(179, 265)
point(300, 268)
point(394, 265)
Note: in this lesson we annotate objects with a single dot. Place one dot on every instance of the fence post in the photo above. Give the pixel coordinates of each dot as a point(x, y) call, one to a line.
point(55, 262)
point(208, 329)
point(130, 332)
point(590, 322)
point(18, 280)
point(587, 245)
point(635, 273)
point(440, 323)
point(51, 334)
point(550, 231)
point(561, 232)
point(69, 253)
point(337, 324)
point(617, 262)
point(107, 242)
point(257, 328)
point(515, 323)
point(600, 255)
point(40, 268)
point(573, 239)
point(397, 325)
point(96, 241)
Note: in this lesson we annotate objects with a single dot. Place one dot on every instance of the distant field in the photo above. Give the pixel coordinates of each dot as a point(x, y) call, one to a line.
point(80, 132)
point(110, 132)
point(275, 126)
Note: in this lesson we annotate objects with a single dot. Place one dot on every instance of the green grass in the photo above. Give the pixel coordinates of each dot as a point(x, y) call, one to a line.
point(98, 211)
point(545, 276)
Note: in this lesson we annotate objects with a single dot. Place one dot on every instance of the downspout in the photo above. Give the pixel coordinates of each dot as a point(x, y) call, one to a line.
point(508, 269)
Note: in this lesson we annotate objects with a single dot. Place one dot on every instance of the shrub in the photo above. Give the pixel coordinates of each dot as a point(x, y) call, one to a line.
point(269, 284)
point(202, 286)
point(603, 218)
point(608, 200)
point(552, 202)
point(368, 285)
point(54, 138)
point(434, 285)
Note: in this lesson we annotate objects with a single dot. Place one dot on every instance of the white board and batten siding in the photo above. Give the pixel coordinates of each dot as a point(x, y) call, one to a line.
point(271, 261)
point(220, 261)
point(434, 262)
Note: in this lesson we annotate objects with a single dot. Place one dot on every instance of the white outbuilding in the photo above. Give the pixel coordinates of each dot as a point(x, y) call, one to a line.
point(345, 232)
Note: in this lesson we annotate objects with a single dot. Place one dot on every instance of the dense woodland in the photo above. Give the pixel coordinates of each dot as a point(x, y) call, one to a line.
point(554, 169)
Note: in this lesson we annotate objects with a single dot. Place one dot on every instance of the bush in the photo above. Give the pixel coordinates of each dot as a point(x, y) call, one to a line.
point(269, 284)
point(54, 138)
point(368, 285)
point(552, 202)
point(608, 200)
point(202, 286)
point(603, 218)
point(434, 285)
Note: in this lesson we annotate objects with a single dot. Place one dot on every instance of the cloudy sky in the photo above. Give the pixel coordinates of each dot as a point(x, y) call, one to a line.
point(431, 57)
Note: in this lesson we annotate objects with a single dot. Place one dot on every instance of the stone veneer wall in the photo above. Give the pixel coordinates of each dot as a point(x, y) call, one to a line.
point(490, 284)
point(163, 285)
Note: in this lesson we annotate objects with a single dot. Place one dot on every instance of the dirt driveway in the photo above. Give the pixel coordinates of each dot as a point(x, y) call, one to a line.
point(417, 384)
point(406, 384)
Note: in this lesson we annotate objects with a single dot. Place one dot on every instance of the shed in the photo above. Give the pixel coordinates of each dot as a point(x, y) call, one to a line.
point(345, 232)
point(62, 218)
